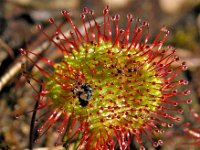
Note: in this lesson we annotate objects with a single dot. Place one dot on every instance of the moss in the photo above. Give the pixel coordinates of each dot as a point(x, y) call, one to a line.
point(186, 39)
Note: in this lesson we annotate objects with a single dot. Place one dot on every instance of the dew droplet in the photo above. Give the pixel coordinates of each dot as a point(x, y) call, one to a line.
point(180, 111)
point(175, 104)
point(83, 16)
point(159, 107)
point(170, 125)
point(186, 92)
point(105, 11)
point(165, 115)
point(176, 58)
point(22, 51)
point(162, 131)
point(64, 12)
point(181, 81)
point(174, 91)
point(169, 46)
point(163, 51)
point(138, 30)
point(169, 71)
point(121, 31)
point(123, 143)
point(37, 141)
point(71, 32)
point(57, 38)
point(178, 119)
point(85, 10)
point(129, 16)
point(117, 128)
point(117, 17)
point(147, 46)
point(17, 116)
point(163, 124)
point(109, 141)
point(113, 18)
point(142, 148)
point(184, 67)
point(102, 147)
point(58, 130)
point(167, 32)
point(138, 19)
point(155, 144)
point(185, 82)
point(91, 12)
point(51, 20)
point(156, 131)
point(39, 130)
point(173, 51)
point(189, 101)
point(160, 142)
point(56, 33)
point(39, 27)
point(44, 92)
point(144, 23)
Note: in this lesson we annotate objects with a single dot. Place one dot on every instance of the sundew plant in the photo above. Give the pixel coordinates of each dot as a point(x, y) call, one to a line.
point(112, 87)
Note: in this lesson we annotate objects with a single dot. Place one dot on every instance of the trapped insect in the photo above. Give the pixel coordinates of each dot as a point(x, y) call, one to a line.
point(83, 92)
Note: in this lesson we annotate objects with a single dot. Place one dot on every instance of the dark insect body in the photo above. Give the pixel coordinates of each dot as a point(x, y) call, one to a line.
point(83, 92)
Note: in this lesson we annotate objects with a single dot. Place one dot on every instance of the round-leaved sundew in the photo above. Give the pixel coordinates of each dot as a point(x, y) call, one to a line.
point(111, 87)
